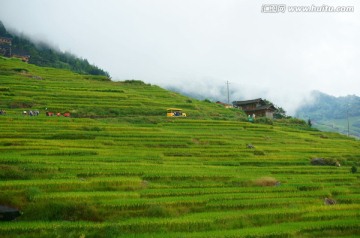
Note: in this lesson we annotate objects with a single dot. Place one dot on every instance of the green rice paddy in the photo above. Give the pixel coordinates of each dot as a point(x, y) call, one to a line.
point(119, 168)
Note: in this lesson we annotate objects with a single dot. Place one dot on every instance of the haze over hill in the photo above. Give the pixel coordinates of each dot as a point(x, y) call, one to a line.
point(329, 113)
point(197, 46)
point(43, 54)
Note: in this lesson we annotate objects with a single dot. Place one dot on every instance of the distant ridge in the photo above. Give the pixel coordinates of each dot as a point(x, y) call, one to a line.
point(42, 54)
point(330, 113)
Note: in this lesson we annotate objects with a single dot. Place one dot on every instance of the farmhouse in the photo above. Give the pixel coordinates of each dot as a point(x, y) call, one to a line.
point(257, 107)
point(5, 46)
point(5, 40)
point(6, 50)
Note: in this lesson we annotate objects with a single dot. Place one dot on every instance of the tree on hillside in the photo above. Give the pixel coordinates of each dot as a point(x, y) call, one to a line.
point(309, 123)
point(42, 54)
point(279, 112)
point(2, 29)
point(3, 32)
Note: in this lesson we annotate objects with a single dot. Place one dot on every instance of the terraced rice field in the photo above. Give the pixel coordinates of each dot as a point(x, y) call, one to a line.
point(144, 175)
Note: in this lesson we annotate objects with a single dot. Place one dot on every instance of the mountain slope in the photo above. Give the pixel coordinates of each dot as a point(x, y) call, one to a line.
point(331, 113)
point(118, 167)
point(94, 96)
point(42, 54)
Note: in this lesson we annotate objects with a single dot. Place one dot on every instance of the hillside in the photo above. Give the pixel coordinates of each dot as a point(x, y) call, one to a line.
point(42, 54)
point(330, 113)
point(118, 167)
point(94, 96)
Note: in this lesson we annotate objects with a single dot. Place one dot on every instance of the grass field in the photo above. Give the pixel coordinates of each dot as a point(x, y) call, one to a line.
point(341, 126)
point(119, 168)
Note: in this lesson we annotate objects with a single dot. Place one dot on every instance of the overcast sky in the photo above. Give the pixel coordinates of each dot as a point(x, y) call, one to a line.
point(199, 45)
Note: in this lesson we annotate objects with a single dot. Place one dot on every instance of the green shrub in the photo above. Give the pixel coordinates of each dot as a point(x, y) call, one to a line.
point(20, 70)
point(133, 81)
point(4, 89)
point(94, 128)
point(264, 120)
point(309, 123)
point(266, 181)
point(353, 169)
point(324, 161)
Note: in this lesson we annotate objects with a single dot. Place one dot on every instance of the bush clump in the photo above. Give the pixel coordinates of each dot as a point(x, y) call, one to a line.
point(264, 120)
point(325, 161)
point(266, 182)
point(4, 89)
point(353, 169)
point(133, 81)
